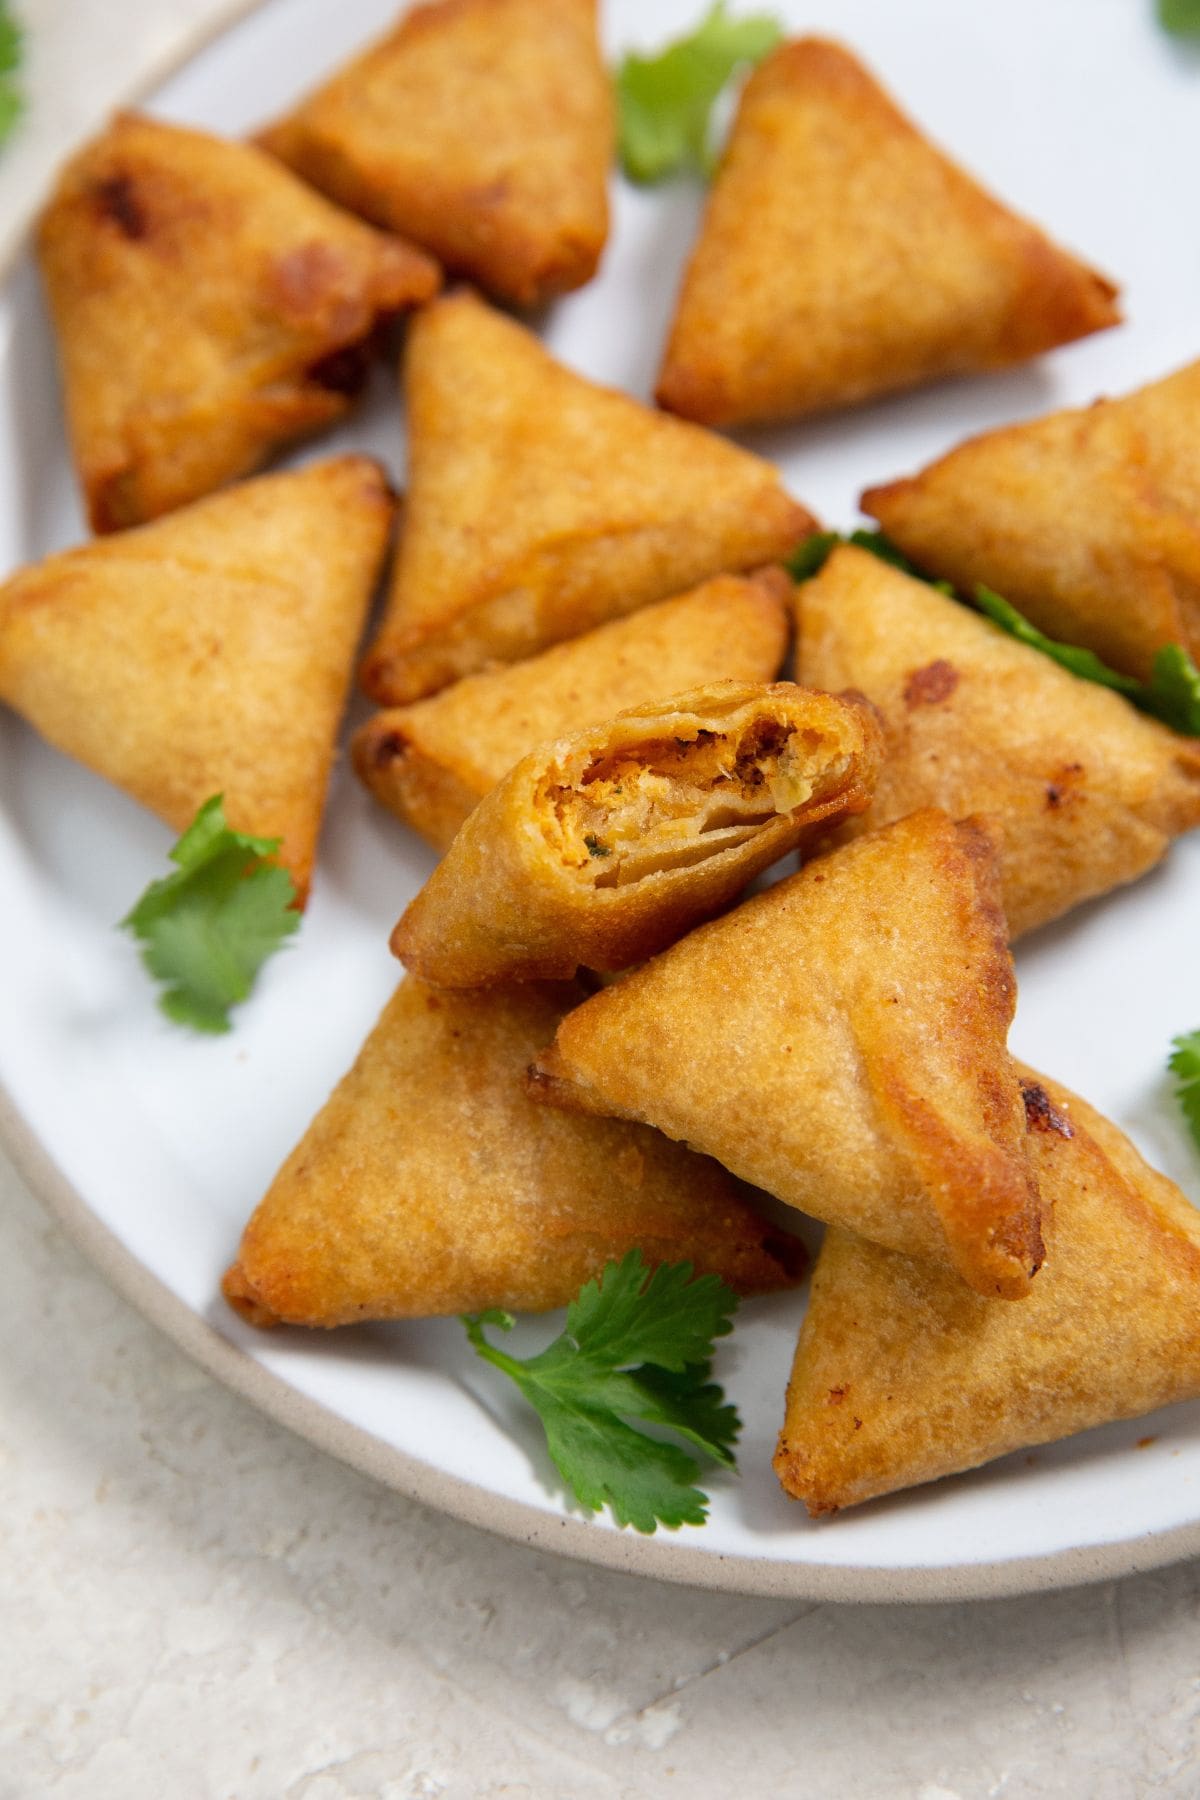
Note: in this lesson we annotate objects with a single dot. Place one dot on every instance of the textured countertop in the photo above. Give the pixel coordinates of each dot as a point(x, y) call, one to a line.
point(194, 1603)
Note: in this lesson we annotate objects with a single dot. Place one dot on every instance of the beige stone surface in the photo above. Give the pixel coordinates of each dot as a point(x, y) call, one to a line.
point(196, 1605)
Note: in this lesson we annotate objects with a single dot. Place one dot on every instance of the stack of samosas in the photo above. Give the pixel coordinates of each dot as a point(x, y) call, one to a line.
point(580, 671)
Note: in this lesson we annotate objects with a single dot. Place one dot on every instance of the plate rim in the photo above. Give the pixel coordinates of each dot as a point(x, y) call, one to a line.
point(666, 1558)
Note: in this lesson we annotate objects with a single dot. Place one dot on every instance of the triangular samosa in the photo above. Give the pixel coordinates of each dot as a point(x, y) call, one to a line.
point(432, 762)
point(209, 652)
point(540, 505)
point(482, 129)
point(1088, 792)
point(842, 256)
point(429, 1184)
point(902, 1375)
point(209, 307)
point(600, 849)
point(1088, 521)
point(839, 1040)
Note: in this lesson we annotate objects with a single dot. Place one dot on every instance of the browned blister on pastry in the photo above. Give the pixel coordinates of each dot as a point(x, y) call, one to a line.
point(540, 505)
point(429, 1183)
point(903, 1375)
point(839, 1040)
point(600, 849)
point(209, 652)
point(482, 129)
point(432, 762)
point(842, 255)
point(1088, 792)
point(208, 308)
point(1087, 521)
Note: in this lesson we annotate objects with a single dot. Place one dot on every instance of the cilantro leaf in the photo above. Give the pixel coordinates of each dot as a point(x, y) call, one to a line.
point(1185, 1063)
point(206, 929)
point(1181, 17)
point(1172, 694)
point(636, 1345)
point(664, 102)
point(12, 43)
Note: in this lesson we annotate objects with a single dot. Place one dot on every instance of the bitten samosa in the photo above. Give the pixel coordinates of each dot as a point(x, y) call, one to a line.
point(540, 505)
point(430, 763)
point(1088, 521)
point(209, 308)
point(429, 1184)
point(482, 129)
point(1088, 792)
point(842, 255)
point(209, 652)
point(839, 1040)
point(600, 849)
point(902, 1375)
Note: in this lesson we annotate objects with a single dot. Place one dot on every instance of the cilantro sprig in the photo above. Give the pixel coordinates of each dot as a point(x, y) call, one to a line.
point(206, 929)
point(637, 1345)
point(665, 101)
point(12, 44)
point(1180, 17)
point(1172, 694)
point(1185, 1066)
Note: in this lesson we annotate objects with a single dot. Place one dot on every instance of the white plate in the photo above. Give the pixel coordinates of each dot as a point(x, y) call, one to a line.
point(154, 1145)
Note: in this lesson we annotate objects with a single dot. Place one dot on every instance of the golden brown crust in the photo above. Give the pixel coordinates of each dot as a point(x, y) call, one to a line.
point(209, 652)
point(853, 1023)
point(541, 505)
point(518, 200)
point(208, 308)
point(429, 1184)
point(1087, 792)
point(902, 1375)
point(842, 255)
point(1088, 521)
point(600, 849)
point(430, 763)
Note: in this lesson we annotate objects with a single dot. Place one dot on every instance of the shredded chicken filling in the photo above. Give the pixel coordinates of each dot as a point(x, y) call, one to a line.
point(670, 802)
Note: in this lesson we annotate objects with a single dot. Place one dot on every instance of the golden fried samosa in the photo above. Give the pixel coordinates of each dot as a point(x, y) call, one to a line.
point(842, 256)
point(209, 307)
point(1088, 521)
point(209, 652)
point(600, 849)
point(482, 129)
point(540, 505)
point(1088, 792)
point(902, 1374)
point(428, 1183)
point(430, 763)
point(839, 1040)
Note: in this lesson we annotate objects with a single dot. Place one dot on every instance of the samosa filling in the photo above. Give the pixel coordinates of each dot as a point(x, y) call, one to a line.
point(669, 802)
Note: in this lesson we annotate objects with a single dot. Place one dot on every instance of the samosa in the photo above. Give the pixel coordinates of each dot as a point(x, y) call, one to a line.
point(1088, 520)
point(839, 1040)
point(432, 762)
point(603, 847)
point(429, 1184)
point(482, 129)
point(209, 308)
point(1088, 792)
point(540, 505)
point(842, 255)
point(903, 1375)
point(209, 652)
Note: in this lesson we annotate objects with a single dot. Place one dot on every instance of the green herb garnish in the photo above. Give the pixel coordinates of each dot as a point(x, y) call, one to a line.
point(12, 44)
point(206, 930)
point(1181, 17)
point(1185, 1064)
point(636, 1346)
point(664, 102)
point(1172, 694)
point(594, 846)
